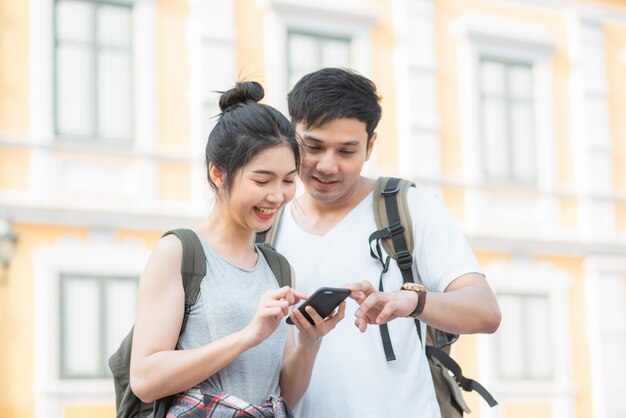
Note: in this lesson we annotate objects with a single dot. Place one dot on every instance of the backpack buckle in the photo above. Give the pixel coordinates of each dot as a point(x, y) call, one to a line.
point(392, 230)
point(404, 259)
point(390, 190)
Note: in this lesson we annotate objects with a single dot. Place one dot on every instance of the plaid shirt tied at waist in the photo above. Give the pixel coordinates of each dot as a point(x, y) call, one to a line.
point(206, 401)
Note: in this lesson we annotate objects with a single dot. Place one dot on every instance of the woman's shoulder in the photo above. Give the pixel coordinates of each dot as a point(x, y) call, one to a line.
point(169, 248)
point(165, 260)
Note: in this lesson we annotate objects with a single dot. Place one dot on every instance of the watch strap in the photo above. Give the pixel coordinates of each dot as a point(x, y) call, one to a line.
point(421, 302)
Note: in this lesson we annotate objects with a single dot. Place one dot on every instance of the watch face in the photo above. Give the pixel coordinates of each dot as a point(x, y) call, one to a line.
point(414, 287)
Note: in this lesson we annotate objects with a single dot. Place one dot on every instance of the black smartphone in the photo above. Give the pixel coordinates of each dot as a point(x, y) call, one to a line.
point(324, 301)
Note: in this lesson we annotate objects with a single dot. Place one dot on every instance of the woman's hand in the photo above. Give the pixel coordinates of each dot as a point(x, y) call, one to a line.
point(273, 307)
point(310, 335)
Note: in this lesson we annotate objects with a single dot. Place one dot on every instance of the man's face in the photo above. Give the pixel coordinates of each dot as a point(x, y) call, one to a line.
point(334, 154)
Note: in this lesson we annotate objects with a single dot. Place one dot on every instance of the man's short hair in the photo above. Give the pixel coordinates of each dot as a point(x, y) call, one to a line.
point(333, 93)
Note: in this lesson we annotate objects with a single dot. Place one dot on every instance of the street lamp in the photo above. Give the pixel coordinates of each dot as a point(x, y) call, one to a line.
point(8, 242)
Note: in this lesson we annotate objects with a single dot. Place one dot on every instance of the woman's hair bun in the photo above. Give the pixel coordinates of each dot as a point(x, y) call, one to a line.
point(243, 92)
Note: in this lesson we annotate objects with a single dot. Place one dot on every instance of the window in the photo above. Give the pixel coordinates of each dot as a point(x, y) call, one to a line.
point(507, 123)
point(307, 52)
point(93, 70)
point(611, 328)
point(96, 314)
point(523, 340)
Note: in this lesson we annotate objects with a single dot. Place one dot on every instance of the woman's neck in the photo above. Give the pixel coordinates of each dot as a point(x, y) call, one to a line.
point(228, 239)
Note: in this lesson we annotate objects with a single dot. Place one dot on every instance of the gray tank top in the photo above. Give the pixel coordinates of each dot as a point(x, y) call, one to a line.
point(228, 299)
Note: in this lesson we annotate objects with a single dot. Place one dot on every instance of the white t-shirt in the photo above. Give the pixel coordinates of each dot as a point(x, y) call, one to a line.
point(351, 377)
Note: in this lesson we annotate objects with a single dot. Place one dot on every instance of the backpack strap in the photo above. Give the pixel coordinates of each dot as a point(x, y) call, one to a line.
point(391, 212)
point(278, 263)
point(466, 384)
point(392, 216)
point(269, 235)
point(193, 267)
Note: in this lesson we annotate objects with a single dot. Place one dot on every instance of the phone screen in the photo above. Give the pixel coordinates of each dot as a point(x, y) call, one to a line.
point(324, 301)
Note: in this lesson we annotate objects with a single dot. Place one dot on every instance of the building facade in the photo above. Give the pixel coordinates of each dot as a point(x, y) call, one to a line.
point(511, 110)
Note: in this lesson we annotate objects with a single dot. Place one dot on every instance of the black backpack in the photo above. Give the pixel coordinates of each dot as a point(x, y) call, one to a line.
point(393, 220)
point(193, 270)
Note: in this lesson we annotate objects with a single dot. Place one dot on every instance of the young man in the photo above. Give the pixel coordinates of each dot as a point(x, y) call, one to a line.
point(324, 234)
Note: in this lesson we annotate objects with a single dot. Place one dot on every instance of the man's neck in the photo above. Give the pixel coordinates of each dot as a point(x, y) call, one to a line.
point(318, 217)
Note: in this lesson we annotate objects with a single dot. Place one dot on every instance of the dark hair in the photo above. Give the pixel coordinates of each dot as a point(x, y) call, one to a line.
point(332, 93)
point(245, 128)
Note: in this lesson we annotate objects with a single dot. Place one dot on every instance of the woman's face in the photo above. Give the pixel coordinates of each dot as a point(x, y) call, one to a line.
point(261, 187)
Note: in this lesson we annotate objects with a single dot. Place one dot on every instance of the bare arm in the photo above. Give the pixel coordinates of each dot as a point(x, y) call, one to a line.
point(467, 306)
point(157, 369)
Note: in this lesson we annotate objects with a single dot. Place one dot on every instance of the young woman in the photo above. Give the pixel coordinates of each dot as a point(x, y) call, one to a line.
point(235, 340)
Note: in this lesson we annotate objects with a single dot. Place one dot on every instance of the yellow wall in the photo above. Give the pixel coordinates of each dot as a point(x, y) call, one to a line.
point(91, 411)
point(568, 212)
point(250, 43)
point(14, 68)
point(578, 334)
point(562, 117)
point(173, 74)
point(383, 44)
point(147, 238)
point(446, 13)
point(14, 168)
point(526, 410)
point(17, 310)
point(174, 181)
point(613, 3)
point(616, 73)
point(485, 258)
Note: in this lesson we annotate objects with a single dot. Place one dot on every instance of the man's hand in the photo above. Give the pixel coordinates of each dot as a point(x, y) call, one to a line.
point(380, 307)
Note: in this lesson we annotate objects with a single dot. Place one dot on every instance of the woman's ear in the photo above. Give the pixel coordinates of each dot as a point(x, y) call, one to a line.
point(217, 175)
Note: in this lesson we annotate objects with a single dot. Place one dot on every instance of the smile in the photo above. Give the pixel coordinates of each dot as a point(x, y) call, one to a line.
point(325, 181)
point(265, 211)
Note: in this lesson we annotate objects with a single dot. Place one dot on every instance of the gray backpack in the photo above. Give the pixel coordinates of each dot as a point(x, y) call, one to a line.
point(193, 270)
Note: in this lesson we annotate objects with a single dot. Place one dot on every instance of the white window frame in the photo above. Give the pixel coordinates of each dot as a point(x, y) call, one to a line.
point(525, 331)
point(100, 255)
point(336, 19)
point(41, 70)
point(48, 154)
point(523, 42)
point(509, 178)
point(485, 35)
point(596, 268)
point(596, 211)
point(102, 281)
point(94, 48)
point(417, 113)
point(526, 277)
point(319, 38)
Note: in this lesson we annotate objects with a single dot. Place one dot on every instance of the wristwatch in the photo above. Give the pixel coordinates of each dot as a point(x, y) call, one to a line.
point(421, 297)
